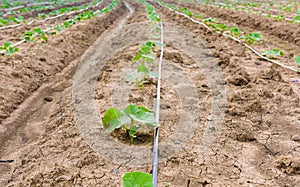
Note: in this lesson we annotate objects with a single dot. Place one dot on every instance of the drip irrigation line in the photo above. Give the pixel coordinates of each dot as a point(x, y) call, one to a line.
point(23, 40)
point(240, 7)
point(157, 111)
point(53, 17)
point(237, 40)
point(6, 161)
point(26, 6)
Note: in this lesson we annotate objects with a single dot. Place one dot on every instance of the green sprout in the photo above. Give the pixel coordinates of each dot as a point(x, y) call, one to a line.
point(145, 55)
point(3, 22)
point(186, 11)
point(34, 35)
point(279, 17)
point(252, 37)
point(235, 31)
point(9, 50)
point(132, 118)
point(272, 53)
point(296, 19)
point(137, 179)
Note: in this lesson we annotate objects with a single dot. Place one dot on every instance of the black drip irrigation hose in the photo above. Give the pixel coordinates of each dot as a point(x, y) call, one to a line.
point(6, 161)
point(155, 144)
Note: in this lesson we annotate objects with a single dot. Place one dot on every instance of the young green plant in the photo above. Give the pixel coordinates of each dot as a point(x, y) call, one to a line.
point(252, 37)
point(9, 50)
point(132, 118)
point(147, 55)
point(137, 179)
point(273, 53)
point(34, 35)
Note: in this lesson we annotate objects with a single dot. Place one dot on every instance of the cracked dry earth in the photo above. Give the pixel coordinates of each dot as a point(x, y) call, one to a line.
point(229, 118)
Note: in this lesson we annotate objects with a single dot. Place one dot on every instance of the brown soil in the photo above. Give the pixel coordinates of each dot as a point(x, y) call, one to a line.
point(228, 118)
point(283, 30)
point(34, 14)
point(14, 34)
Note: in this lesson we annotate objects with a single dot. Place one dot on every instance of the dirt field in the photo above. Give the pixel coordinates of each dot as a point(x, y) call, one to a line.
point(228, 118)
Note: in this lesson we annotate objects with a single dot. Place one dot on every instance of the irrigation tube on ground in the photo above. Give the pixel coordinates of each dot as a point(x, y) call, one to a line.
point(237, 40)
point(157, 111)
point(53, 17)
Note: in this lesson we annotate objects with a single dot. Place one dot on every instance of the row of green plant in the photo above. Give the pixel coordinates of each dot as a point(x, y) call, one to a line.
point(283, 6)
point(269, 6)
point(16, 5)
point(139, 116)
point(38, 34)
point(146, 55)
point(134, 117)
point(248, 8)
point(279, 17)
point(20, 19)
point(234, 32)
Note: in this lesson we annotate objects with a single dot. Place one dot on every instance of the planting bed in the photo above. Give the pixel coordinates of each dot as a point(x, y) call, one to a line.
point(228, 117)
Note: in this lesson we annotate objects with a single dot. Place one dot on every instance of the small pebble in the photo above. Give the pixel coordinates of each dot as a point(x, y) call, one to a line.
point(115, 170)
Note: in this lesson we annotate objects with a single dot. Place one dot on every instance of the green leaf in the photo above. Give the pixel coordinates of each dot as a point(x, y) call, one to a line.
point(211, 20)
point(12, 50)
point(297, 60)
point(72, 21)
point(66, 24)
point(45, 38)
point(149, 57)
point(137, 57)
point(52, 33)
point(3, 21)
point(199, 16)
point(235, 31)
point(137, 179)
point(272, 53)
point(141, 115)
point(221, 27)
point(38, 30)
point(144, 109)
point(296, 19)
point(145, 49)
point(28, 33)
point(142, 69)
point(253, 37)
point(42, 15)
point(7, 44)
point(113, 119)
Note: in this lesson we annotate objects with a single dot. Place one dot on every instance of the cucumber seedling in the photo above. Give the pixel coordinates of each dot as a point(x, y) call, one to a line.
point(252, 37)
point(34, 35)
point(132, 118)
point(272, 53)
point(137, 178)
point(9, 50)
